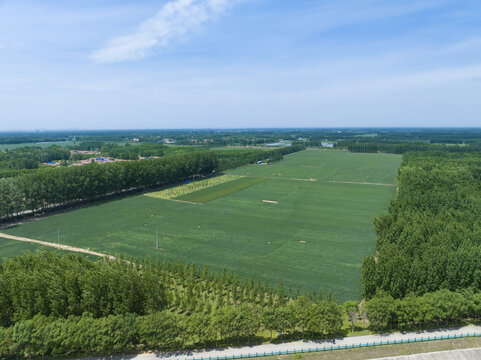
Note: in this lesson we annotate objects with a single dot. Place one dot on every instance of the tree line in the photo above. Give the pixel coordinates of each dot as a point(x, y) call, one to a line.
point(55, 304)
point(440, 308)
point(228, 159)
point(45, 188)
point(430, 238)
point(31, 157)
point(404, 147)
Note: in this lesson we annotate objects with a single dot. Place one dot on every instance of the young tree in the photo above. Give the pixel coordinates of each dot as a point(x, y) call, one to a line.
point(380, 310)
point(352, 309)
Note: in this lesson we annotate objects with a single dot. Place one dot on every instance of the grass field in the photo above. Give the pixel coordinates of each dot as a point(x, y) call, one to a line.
point(9, 248)
point(215, 192)
point(177, 192)
point(313, 233)
point(329, 165)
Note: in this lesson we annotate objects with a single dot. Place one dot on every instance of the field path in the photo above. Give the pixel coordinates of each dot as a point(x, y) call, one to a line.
point(62, 247)
point(360, 183)
point(238, 352)
point(328, 181)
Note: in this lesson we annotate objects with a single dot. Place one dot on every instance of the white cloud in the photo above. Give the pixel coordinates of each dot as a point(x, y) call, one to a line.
point(175, 19)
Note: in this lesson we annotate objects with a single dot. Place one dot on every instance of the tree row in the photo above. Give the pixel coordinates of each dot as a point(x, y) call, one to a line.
point(45, 188)
point(430, 237)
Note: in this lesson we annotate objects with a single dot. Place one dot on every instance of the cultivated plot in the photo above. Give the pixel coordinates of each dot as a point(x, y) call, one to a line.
point(9, 248)
point(308, 233)
point(329, 165)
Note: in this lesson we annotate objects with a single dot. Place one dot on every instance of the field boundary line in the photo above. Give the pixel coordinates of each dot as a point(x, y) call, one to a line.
point(281, 178)
point(328, 181)
point(359, 183)
point(62, 247)
point(184, 201)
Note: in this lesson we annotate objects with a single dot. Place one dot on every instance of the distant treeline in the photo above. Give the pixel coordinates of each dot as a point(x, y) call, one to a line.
point(45, 188)
point(22, 139)
point(31, 157)
point(60, 304)
point(133, 152)
point(228, 159)
point(401, 148)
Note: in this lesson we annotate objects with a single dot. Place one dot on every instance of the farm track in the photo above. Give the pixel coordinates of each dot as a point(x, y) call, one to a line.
point(327, 181)
point(281, 178)
point(61, 247)
point(359, 183)
point(184, 201)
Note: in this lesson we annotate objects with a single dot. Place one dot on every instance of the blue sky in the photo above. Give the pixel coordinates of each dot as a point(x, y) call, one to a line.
point(101, 64)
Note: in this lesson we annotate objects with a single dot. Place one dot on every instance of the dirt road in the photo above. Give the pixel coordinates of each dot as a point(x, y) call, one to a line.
point(61, 247)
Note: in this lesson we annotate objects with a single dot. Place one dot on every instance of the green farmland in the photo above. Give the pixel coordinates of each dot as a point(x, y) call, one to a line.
point(306, 220)
point(9, 248)
point(330, 165)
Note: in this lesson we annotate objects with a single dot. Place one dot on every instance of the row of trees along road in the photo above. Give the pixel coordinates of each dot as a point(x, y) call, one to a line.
point(44, 188)
point(62, 303)
point(440, 308)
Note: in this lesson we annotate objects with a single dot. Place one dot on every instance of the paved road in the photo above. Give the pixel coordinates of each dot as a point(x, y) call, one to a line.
point(299, 345)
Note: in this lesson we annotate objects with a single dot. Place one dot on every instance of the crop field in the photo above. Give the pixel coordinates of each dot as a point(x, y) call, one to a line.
point(215, 192)
point(9, 248)
point(306, 220)
point(177, 192)
point(329, 165)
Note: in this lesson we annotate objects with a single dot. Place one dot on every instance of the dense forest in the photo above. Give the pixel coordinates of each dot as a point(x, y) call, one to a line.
point(430, 238)
point(428, 247)
point(64, 304)
point(31, 157)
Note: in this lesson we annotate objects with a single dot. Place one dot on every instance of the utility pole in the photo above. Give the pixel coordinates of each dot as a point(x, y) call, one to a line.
point(58, 237)
point(156, 239)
